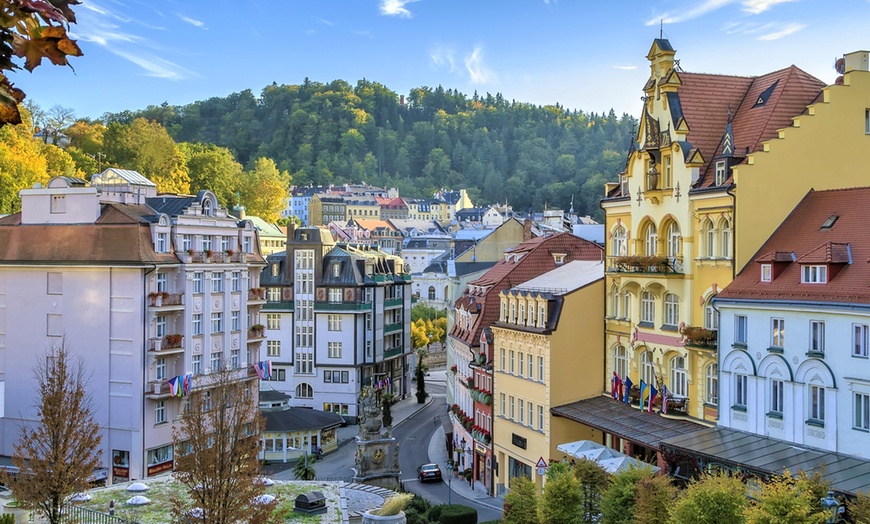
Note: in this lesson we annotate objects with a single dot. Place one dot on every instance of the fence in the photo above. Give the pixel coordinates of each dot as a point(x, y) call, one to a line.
point(80, 515)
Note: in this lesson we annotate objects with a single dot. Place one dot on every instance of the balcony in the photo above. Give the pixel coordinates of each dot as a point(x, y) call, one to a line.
point(393, 352)
point(168, 344)
point(701, 338)
point(645, 264)
point(237, 257)
point(256, 333)
point(205, 257)
point(394, 302)
point(282, 305)
point(342, 306)
point(393, 328)
point(166, 301)
point(157, 389)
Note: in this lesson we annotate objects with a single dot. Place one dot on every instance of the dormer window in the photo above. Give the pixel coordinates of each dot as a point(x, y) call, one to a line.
point(559, 258)
point(275, 269)
point(766, 272)
point(162, 243)
point(336, 270)
point(721, 171)
point(814, 274)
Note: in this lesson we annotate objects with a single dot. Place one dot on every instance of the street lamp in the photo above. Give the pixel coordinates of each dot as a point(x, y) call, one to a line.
point(832, 508)
point(462, 450)
point(449, 480)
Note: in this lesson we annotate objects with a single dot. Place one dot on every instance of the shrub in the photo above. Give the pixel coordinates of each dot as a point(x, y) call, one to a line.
point(617, 502)
point(561, 501)
point(419, 504)
point(458, 514)
point(654, 498)
point(714, 499)
point(395, 504)
point(434, 513)
point(521, 502)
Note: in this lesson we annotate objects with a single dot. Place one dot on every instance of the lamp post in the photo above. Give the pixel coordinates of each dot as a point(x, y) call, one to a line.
point(449, 481)
point(461, 452)
point(832, 508)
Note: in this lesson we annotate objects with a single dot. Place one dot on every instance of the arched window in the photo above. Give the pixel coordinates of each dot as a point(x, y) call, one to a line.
point(651, 241)
point(669, 179)
point(626, 305)
point(678, 377)
point(674, 240)
point(304, 390)
point(431, 292)
point(206, 207)
point(445, 293)
point(711, 317)
point(647, 368)
point(618, 243)
point(726, 239)
point(647, 307)
point(672, 310)
point(620, 361)
point(614, 303)
point(709, 235)
point(712, 384)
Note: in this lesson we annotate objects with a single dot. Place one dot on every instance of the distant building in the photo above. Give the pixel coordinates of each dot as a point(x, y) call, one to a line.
point(325, 208)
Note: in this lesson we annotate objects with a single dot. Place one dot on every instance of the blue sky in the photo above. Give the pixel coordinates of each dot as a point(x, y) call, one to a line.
point(583, 54)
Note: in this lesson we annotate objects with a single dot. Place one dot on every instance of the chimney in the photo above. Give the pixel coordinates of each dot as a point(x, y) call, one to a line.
point(527, 229)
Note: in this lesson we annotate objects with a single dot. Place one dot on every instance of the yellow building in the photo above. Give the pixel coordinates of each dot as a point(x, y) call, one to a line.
point(362, 207)
point(547, 345)
point(670, 228)
point(325, 208)
point(430, 209)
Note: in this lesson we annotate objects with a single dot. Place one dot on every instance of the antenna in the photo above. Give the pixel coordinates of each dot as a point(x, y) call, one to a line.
point(661, 27)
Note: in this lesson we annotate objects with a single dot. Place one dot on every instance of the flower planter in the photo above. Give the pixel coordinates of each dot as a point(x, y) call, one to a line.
point(369, 518)
point(20, 514)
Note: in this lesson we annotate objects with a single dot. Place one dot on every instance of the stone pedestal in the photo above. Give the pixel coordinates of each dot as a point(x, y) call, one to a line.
point(377, 453)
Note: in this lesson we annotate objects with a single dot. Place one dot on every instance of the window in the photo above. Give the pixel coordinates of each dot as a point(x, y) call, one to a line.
point(368, 348)
point(669, 179)
point(247, 245)
point(236, 320)
point(431, 293)
point(513, 315)
point(647, 368)
point(814, 274)
point(540, 418)
point(225, 243)
point(620, 361)
point(334, 295)
point(334, 322)
point(531, 370)
point(206, 243)
point(678, 377)
point(531, 414)
point(541, 316)
point(647, 307)
point(197, 323)
point(512, 361)
point(651, 241)
point(234, 359)
point(58, 204)
point(674, 240)
point(304, 363)
point(709, 235)
point(273, 348)
point(777, 332)
point(712, 384)
point(520, 367)
point(217, 322)
point(522, 316)
point(726, 239)
point(162, 244)
point(196, 364)
point(541, 369)
point(304, 390)
point(273, 321)
point(368, 320)
point(777, 396)
point(867, 121)
point(503, 412)
point(197, 282)
point(859, 340)
point(672, 310)
point(160, 369)
point(766, 273)
point(618, 243)
point(740, 329)
point(161, 283)
point(160, 412)
point(503, 317)
point(512, 408)
point(817, 336)
point(186, 243)
point(721, 170)
point(626, 305)
point(236, 281)
point(522, 411)
point(217, 282)
point(334, 349)
point(741, 390)
point(711, 317)
point(160, 329)
point(817, 403)
point(614, 303)
point(217, 358)
point(862, 411)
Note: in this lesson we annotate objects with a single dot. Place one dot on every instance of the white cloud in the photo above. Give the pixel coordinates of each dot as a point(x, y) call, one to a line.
point(325, 22)
point(396, 8)
point(783, 32)
point(443, 56)
point(625, 67)
point(477, 71)
point(689, 13)
point(759, 6)
point(192, 21)
point(154, 65)
point(366, 33)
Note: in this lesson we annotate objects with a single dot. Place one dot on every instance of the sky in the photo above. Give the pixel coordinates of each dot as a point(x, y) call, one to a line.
point(587, 55)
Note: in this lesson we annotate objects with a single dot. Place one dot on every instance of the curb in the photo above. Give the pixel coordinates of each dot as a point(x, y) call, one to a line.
point(461, 494)
point(423, 406)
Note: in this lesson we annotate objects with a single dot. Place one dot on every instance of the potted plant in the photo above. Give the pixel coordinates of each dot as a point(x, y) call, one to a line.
point(230, 252)
point(208, 253)
point(164, 295)
point(156, 298)
point(391, 512)
point(257, 329)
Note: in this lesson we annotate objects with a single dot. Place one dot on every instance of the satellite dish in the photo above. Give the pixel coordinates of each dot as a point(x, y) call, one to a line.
point(840, 66)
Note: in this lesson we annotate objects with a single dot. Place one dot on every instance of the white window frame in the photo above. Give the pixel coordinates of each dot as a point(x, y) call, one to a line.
point(334, 349)
point(672, 310)
point(709, 239)
point(814, 274)
point(541, 369)
point(725, 240)
point(816, 405)
point(766, 273)
point(777, 397)
point(777, 332)
point(860, 340)
point(679, 386)
point(626, 305)
point(197, 281)
point(647, 367)
point(861, 411)
point(674, 240)
point(817, 336)
point(619, 242)
point(196, 364)
point(273, 348)
point(712, 384)
point(741, 390)
point(160, 412)
point(721, 171)
point(647, 307)
point(620, 361)
point(741, 329)
point(196, 323)
point(651, 240)
point(217, 322)
point(217, 282)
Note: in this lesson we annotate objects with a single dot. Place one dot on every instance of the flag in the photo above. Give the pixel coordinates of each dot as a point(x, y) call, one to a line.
point(173, 386)
point(188, 378)
point(180, 389)
point(642, 393)
point(664, 399)
point(627, 389)
point(615, 386)
point(267, 369)
point(652, 396)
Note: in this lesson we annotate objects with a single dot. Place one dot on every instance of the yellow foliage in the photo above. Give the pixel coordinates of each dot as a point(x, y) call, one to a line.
point(22, 164)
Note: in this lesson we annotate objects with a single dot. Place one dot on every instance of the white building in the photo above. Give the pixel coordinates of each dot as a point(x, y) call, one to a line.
point(145, 288)
point(793, 330)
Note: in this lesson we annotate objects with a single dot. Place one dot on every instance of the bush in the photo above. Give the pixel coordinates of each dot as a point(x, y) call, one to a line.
point(7, 518)
point(617, 501)
point(434, 513)
point(419, 504)
point(521, 502)
point(714, 499)
point(457, 514)
point(561, 501)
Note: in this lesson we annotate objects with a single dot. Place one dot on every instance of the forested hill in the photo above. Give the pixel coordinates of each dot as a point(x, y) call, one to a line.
point(331, 133)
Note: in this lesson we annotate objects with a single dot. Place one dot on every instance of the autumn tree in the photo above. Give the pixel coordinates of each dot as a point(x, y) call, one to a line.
point(32, 31)
point(859, 508)
point(264, 190)
point(655, 496)
point(785, 500)
point(217, 447)
point(521, 502)
point(146, 147)
point(213, 168)
point(57, 453)
point(419, 334)
point(713, 499)
point(22, 164)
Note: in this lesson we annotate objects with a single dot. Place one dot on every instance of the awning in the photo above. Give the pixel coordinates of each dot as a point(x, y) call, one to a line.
point(767, 456)
point(609, 459)
point(624, 421)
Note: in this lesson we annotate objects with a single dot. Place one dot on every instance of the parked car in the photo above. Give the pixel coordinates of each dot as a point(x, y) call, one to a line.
point(426, 472)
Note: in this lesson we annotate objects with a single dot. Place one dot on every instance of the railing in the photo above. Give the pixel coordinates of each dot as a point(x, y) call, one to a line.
point(80, 515)
point(238, 257)
point(393, 302)
point(157, 387)
point(256, 294)
point(342, 306)
point(166, 343)
point(255, 334)
point(166, 299)
point(392, 352)
point(392, 328)
point(645, 264)
point(676, 404)
point(701, 337)
point(280, 305)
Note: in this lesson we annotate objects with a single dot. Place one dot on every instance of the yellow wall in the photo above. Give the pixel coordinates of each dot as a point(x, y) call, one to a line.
point(826, 149)
point(492, 248)
point(365, 212)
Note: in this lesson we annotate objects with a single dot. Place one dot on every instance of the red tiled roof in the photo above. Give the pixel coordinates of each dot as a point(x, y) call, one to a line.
point(535, 260)
point(802, 233)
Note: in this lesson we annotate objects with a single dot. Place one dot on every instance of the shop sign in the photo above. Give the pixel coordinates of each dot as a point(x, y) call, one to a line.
point(518, 441)
point(159, 468)
point(480, 448)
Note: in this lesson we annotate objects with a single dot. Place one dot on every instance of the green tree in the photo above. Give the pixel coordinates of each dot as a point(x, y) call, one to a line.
point(420, 375)
point(859, 508)
point(521, 502)
point(304, 468)
point(146, 147)
point(425, 311)
point(593, 481)
point(785, 500)
point(713, 499)
point(562, 499)
point(264, 190)
point(213, 168)
point(618, 500)
point(655, 496)
point(60, 452)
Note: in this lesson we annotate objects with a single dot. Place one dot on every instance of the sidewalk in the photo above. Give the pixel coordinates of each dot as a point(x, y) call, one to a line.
point(438, 455)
